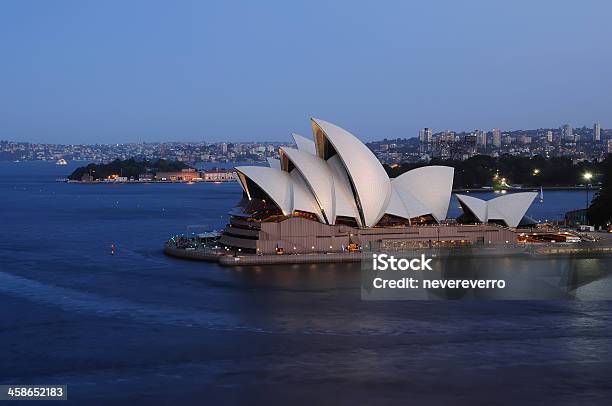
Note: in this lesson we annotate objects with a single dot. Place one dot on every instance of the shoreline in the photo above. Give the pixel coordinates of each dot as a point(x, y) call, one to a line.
point(534, 251)
point(464, 190)
point(528, 188)
point(130, 182)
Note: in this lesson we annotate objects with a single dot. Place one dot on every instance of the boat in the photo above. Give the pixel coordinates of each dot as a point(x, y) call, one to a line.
point(61, 161)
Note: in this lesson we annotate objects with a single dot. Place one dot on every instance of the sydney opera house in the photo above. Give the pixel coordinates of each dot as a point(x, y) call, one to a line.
point(331, 194)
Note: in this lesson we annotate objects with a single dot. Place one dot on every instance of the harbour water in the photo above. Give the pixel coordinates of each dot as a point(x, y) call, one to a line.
point(138, 325)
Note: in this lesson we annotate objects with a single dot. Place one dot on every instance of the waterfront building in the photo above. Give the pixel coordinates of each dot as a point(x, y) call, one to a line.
point(549, 136)
point(576, 217)
point(185, 175)
point(218, 175)
point(331, 194)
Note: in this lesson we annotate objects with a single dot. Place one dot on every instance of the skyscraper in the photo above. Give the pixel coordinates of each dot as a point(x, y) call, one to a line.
point(481, 138)
point(425, 135)
point(597, 132)
point(549, 136)
point(447, 136)
point(568, 132)
point(496, 138)
point(470, 142)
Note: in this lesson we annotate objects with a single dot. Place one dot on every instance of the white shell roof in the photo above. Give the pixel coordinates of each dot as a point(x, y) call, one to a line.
point(478, 207)
point(301, 197)
point(371, 183)
point(509, 208)
point(343, 196)
point(277, 184)
point(304, 144)
point(274, 163)
point(426, 190)
point(318, 176)
point(288, 191)
point(396, 205)
point(413, 206)
point(351, 183)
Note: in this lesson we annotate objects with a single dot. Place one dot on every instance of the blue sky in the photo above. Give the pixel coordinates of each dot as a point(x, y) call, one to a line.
point(125, 71)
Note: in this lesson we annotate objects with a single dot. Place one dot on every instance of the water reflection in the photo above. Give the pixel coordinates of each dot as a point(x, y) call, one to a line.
point(516, 277)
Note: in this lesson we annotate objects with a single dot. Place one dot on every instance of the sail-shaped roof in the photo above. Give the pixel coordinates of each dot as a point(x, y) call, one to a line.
point(369, 181)
point(276, 183)
point(338, 176)
point(426, 190)
point(510, 208)
point(477, 207)
point(318, 176)
point(288, 191)
point(274, 163)
point(304, 144)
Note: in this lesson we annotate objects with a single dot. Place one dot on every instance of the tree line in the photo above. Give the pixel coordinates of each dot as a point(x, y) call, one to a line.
point(481, 170)
point(600, 211)
point(129, 168)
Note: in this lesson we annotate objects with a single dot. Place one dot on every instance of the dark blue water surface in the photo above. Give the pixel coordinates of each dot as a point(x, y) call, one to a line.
point(141, 327)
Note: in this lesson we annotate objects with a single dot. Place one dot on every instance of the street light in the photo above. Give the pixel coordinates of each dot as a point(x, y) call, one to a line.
point(587, 177)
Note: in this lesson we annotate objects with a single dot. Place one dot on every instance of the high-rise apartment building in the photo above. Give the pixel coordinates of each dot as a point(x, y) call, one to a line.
point(597, 132)
point(481, 138)
point(447, 136)
point(568, 132)
point(425, 135)
point(496, 138)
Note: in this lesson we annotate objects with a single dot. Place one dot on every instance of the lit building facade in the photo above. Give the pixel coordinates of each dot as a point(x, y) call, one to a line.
point(331, 193)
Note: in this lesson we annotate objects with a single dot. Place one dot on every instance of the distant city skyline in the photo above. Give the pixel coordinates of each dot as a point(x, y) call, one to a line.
point(157, 71)
point(584, 144)
point(423, 134)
